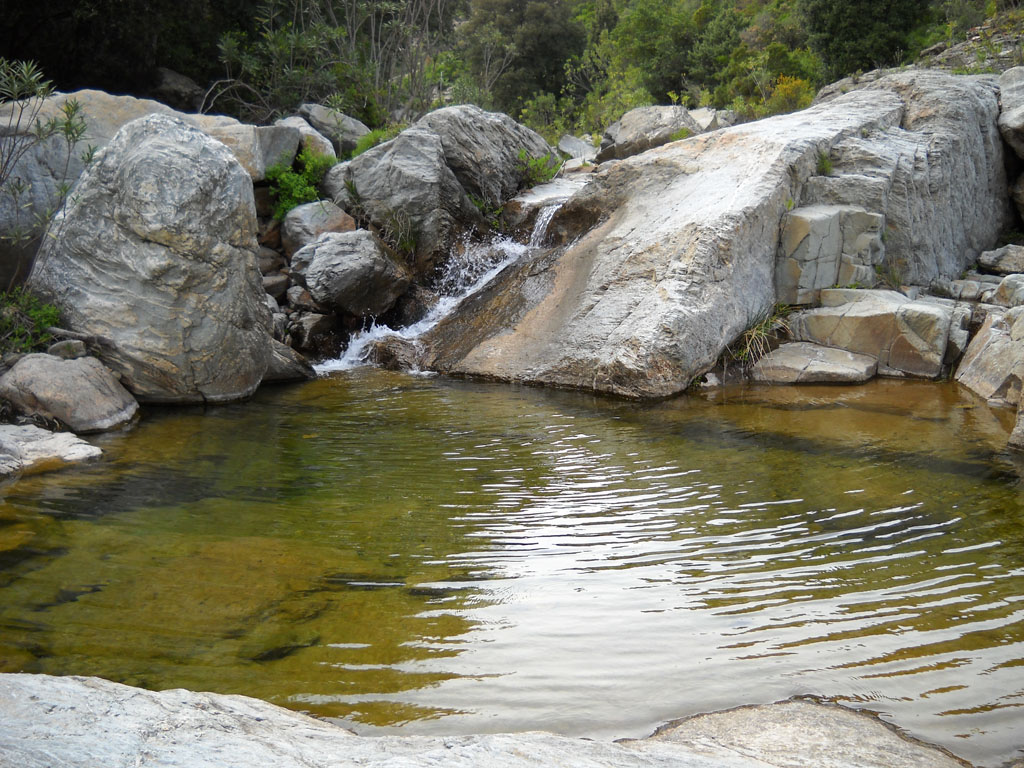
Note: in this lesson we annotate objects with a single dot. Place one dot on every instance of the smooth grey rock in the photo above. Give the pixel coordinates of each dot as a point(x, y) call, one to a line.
point(1011, 118)
point(577, 148)
point(157, 255)
point(663, 259)
point(269, 260)
point(407, 189)
point(27, 449)
point(68, 349)
point(342, 130)
point(298, 297)
point(309, 327)
point(81, 393)
point(276, 285)
point(804, 363)
point(1007, 260)
point(287, 365)
point(642, 128)
point(350, 272)
point(79, 722)
point(312, 139)
point(993, 366)
point(483, 150)
point(712, 119)
point(904, 336)
point(1010, 292)
point(1016, 441)
point(305, 223)
point(177, 90)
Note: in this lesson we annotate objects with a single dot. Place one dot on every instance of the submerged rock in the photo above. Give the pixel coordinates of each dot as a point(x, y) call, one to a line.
point(81, 721)
point(156, 254)
point(665, 258)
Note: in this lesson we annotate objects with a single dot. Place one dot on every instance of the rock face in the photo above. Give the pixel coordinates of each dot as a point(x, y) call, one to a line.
point(483, 150)
point(156, 254)
point(76, 722)
point(406, 188)
point(82, 393)
point(31, 449)
point(350, 272)
point(804, 363)
point(642, 128)
point(668, 256)
point(1011, 119)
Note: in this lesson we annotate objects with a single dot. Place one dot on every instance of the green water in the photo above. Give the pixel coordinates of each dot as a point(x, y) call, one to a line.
point(440, 556)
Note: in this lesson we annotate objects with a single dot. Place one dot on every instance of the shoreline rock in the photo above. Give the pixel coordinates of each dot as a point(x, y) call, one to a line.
point(81, 722)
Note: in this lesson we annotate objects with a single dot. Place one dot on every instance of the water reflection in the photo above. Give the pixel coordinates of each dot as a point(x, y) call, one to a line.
point(448, 556)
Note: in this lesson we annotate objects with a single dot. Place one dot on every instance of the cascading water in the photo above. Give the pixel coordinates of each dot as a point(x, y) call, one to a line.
point(464, 274)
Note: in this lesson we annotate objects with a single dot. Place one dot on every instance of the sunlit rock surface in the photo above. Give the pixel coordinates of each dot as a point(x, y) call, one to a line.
point(78, 722)
point(668, 256)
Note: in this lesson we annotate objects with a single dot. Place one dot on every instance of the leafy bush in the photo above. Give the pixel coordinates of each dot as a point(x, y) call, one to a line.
point(24, 321)
point(537, 170)
point(291, 188)
point(377, 136)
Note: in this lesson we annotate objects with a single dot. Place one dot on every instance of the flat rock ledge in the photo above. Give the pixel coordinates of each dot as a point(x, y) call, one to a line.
point(29, 449)
point(85, 721)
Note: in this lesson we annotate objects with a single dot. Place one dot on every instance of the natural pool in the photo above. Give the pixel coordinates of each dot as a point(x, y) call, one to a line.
point(450, 556)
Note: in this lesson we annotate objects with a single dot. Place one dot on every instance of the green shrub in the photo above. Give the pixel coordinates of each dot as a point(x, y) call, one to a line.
point(377, 136)
point(24, 321)
point(682, 133)
point(824, 164)
point(291, 188)
point(537, 170)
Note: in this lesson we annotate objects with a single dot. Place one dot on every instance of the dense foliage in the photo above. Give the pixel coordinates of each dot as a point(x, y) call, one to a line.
point(559, 65)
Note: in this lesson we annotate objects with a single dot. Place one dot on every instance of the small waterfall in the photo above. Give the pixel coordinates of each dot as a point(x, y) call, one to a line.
point(463, 275)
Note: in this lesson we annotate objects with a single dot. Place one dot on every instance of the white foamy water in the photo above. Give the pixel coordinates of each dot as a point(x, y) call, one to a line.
point(464, 274)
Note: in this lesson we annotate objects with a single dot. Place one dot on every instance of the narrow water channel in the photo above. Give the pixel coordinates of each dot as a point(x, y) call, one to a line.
point(435, 556)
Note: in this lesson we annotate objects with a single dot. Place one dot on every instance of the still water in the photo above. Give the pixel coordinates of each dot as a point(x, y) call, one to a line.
point(443, 556)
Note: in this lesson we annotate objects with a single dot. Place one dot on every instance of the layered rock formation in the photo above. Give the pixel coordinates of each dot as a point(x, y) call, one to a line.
point(668, 256)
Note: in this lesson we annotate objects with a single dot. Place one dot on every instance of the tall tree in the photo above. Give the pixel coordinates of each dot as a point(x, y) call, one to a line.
point(860, 34)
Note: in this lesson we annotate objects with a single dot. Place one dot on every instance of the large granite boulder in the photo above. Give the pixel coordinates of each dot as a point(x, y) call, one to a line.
point(83, 722)
point(487, 151)
point(1007, 260)
point(50, 164)
point(666, 257)
point(351, 273)
point(406, 188)
point(312, 139)
point(642, 128)
point(81, 393)
point(156, 254)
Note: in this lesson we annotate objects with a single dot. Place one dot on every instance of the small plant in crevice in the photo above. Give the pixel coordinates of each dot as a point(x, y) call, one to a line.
point(25, 321)
point(536, 170)
point(397, 231)
point(758, 340)
point(892, 273)
point(377, 136)
point(682, 133)
point(491, 214)
point(291, 187)
point(824, 164)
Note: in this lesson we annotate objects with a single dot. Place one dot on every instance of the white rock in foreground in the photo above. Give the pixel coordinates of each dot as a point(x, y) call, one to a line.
point(76, 722)
point(32, 449)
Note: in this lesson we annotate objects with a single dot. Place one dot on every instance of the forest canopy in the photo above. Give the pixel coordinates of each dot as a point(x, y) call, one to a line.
point(558, 65)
